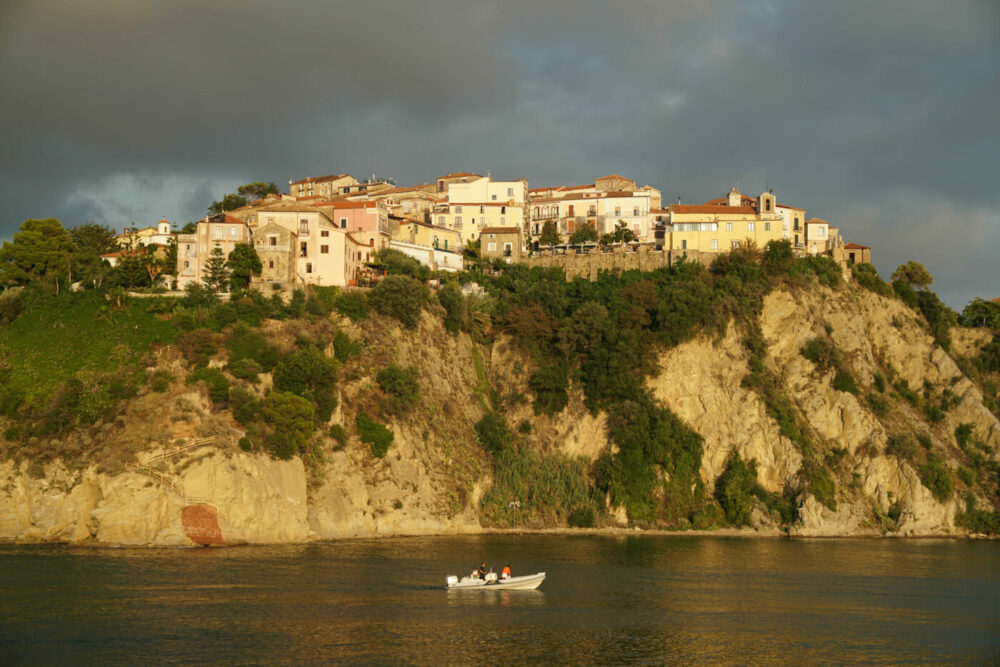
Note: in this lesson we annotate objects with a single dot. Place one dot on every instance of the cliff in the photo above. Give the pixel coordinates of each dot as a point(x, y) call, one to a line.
point(172, 473)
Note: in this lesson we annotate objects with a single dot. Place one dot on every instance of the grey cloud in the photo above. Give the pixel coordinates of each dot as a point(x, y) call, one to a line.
point(125, 109)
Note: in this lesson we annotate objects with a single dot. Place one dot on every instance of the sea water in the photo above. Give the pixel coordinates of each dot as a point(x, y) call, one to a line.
point(605, 600)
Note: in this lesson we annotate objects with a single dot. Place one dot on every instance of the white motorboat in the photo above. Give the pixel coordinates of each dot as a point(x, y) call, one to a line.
point(525, 583)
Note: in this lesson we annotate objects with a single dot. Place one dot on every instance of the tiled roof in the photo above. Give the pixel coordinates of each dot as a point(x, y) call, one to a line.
point(711, 208)
point(460, 174)
point(225, 217)
point(485, 203)
point(610, 176)
point(856, 246)
point(321, 179)
point(347, 204)
point(817, 221)
point(794, 208)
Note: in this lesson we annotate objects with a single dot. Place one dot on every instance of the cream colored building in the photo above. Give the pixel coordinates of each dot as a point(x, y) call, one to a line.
point(193, 250)
point(431, 236)
point(504, 243)
point(321, 186)
point(160, 234)
point(469, 219)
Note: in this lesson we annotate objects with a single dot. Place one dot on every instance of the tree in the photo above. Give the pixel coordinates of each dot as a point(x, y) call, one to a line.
point(131, 269)
point(401, 297)
point(914, 274)
point(40, 251)
point(94, 238)
point(190, 228)
point(258, 190)
point(621, 234)
point(550, 234)
point(585, 234)
point(243, 264)
point(228, 203)
point(981, 313)
point(216, 276)
point(287, 421)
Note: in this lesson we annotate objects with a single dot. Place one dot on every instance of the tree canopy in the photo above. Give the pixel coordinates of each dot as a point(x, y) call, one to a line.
point(550, 234)
point(215, 272)
point(914, 274)
point(227, 203)
point(257, 190)
point(585, 234)
point(243, 264)
point(41, 250)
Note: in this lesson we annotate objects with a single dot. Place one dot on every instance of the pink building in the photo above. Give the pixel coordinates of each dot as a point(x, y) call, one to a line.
point(367, 221)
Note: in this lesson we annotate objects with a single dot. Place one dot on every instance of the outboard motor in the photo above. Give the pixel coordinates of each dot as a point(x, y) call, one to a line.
point(452, 580)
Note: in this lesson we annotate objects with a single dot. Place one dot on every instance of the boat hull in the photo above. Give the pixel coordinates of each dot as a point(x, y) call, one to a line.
point(525, 583)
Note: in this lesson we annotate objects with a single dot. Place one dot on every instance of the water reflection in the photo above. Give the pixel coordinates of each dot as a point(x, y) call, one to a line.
point(605, 600)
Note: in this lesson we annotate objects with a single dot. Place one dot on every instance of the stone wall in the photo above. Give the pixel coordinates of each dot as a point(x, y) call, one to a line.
point(587, 265)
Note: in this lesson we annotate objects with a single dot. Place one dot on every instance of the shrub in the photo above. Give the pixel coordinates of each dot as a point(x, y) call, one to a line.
point(245, 343)
point(778, 257)
point(581, 517)
point(312, 375)
point(344, 347)
point(734, 489)
point(524, 428)
point(925, 441)
point(826, 270)
point(905, 292)
point(936, 477)
point(287, 423)
point(963, 436)
point(353, 305)
point(966, 475)
point(451, 299)
point(401, 386)
point(215, 379)
point(549, 385)
point(244, 405)
point(197, 295)
point(400, 297)
point(902, 447)
point(867, 276)
point(708, 517)
point(197, 346)
point(11, 304)
point(878, 404)
point(339, 435)
point(939, 317)
point(495, 436)
point(245, 369)
point(820, 484)
point(376, 435)
point(879, 381)
point(902, 387)
point(160, 380)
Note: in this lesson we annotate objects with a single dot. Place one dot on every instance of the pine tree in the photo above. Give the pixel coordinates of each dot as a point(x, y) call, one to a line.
point(215, 272)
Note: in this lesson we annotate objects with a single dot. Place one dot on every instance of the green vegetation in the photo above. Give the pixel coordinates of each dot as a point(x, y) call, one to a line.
point(866, 275)
point(935, 476)
point(550, 234)
point(549, 385)
point(344, 347)
point(400, 297)
point(353, 305)
point(451, 299)
point(825, 355)
point(338, 433)
point(215, 380)
point(981, 313)
point(735, 487)
point(401, 387)
point(377, 436)
point(312, 375)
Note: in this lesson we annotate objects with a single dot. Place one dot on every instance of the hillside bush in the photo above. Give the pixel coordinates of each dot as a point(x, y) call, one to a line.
point(936, 476)
point(197, 346)
point(401, 387)
point(11, 304)
point(344, 347)
point(549, 384)
point(246, 343)
point(285, 422)
point(160, 380)
point(353, 305)
point(495, 436)
point(905, 292)
point(377, 436)
point(339, 435)
point(451, 299)
point(734, 489)
point(244, 405)
point(902, 447)
point(866, 275)
point(400, 297)
point(312, 375)
point(245, 369)
point(215, 380)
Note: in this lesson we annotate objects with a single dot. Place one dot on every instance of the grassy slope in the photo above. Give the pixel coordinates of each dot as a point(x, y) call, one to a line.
point(57, 337)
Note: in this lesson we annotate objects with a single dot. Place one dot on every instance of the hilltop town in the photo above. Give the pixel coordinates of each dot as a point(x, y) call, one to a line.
point(327, 230)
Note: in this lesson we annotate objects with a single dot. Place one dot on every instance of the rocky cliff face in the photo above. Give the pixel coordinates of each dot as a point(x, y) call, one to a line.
point(431, 479)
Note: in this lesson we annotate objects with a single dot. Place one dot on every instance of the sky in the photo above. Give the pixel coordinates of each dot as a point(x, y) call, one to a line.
point(881, 117)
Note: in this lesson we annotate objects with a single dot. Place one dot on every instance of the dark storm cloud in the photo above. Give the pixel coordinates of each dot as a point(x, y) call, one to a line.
point(877, 116)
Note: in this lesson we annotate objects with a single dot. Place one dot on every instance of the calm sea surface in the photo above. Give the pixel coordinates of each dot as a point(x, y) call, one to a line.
point(606, 600)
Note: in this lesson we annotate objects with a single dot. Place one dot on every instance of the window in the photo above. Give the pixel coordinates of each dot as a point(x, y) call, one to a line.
point(684, 245)
point(821, 232)
point(736, 244)
point(749, 226)
point(635, 210)
point(536, 211)
point(458, 209)
point(482, 220)
point(270, 264)
point(233, 231)
point(796, 224)
point(270, 221)
point(592, 210)
point(510, 192)
point(767, 204)
point(324, 250)
point(458, 222)
point(218, 232)
point(343, 223)
point(482, 209)
point(767, 226)
point(187, 265)
point(303, 249)
point(715, 244)
point(491, 247)
point(493, 198)
point(503, 221)
point(441, 220)
point(303, 226)
point(570, 212)
point(503, 210)
point(309, 268)
point(325, 233)
point(729, 226)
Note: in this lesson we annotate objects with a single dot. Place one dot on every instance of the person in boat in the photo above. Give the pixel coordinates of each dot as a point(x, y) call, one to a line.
point(475, 572)
point(482, 571)
point(505, 572)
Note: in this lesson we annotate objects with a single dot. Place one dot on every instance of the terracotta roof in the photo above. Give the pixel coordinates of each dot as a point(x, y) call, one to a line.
point(794, 208)
point(224, 217)
point(709, 208)
point(856, 246)
point(610, 176)
point(996, 300)
point(321, 179)
point(141, 250)
point(460, 174)
point(347, 204)
point(724, 201)
point(485, 203)
point(500, 230)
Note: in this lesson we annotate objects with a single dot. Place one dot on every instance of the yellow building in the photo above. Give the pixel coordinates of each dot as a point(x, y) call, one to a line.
point(722, 227)
point(470, 218)
point(432, 236)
